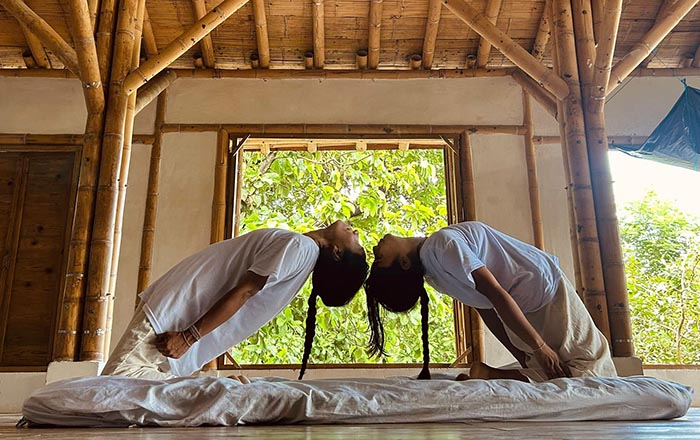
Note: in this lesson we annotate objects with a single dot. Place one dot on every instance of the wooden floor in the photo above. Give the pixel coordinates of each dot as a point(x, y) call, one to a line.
point(687, 427)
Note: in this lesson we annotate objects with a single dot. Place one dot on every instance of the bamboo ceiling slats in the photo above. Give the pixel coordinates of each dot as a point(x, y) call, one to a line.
point(347, 29)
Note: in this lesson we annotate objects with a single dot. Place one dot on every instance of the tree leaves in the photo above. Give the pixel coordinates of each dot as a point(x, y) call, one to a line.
point(379, 192)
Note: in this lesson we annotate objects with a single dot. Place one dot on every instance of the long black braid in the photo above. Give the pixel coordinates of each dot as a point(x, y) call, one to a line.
point(424, 300)
point(310, 332)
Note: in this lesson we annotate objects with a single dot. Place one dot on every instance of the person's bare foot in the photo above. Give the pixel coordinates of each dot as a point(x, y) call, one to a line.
point(462, 376)
point(242, 379)
point(480, 370)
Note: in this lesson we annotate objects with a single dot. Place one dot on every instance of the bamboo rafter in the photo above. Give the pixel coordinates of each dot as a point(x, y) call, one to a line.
point(154, 88)
point(431, 31)
point(42, 30)
point(36, 48)
point(663, 12)
point(375, 29)
point(649, 42)
point(512, 50)
point(543, 33)
point(319, 31)
point(184, 42)
point(149, 40)
point(261, 33)
point(493, 7)
point(340, 74)
point(199, 10)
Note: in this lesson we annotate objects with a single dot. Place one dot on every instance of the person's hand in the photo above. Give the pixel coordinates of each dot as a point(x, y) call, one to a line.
point(240, 378)
point(173, 344)
point(549, 360)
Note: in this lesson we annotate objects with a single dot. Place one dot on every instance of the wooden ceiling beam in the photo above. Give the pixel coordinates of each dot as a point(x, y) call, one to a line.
point(602, 67)
point(319, 34)
point(431, 31)
point(512, 50)
point(261, 33)
point(375, 30)
point(648, 43)
point(544, 31)
point(149, 39)
point(493, 7)
point(36, 48)
point(181, 44)
point(206, 45)
point(42, 30)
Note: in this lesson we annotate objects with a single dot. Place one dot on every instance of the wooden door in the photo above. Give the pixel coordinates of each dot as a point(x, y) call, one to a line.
point(36, 200)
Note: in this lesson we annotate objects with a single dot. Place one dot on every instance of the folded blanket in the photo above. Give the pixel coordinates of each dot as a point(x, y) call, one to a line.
point(121, 401)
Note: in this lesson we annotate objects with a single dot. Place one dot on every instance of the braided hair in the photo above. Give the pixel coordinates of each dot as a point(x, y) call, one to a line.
point(396, 290)
point(336, 283)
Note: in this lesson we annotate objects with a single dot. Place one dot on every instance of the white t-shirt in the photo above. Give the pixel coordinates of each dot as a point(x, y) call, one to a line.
point(451, 254)
point(187, 291)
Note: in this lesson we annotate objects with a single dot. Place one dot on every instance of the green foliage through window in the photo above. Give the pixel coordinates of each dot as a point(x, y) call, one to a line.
point(378, 192)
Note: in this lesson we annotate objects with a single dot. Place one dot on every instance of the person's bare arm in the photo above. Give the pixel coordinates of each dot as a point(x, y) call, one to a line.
point(509, 311)
point(494, 323)
point(175, 344)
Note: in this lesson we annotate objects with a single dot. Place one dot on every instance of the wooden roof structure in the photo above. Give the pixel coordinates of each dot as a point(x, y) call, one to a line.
point(566, 54)
point(401, 32)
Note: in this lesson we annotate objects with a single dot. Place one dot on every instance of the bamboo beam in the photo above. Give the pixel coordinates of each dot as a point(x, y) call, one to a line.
point(206, 45)
point(649, 42)
point(593, 290)
point(261, 33)
point(532, 181)
point(493, 7)
point(512, 50)
point(661, 13)
point(375, 28)
point(358, 131)
point(123, 177)
point(38, 73)
point(543, 97)
point(36, 48)
point(101, 246)
point(32, 139)
point(319, 30)
point(431, 31)
point(604, 55)
point(149, 218)
point(341, 74)
point(182, 44)
point(44, 32)
point(602, 184)
point(149, 39)
point(146, 139)
point(612, 140)
point(543, 33)
point(154, 88)
point(73, 288)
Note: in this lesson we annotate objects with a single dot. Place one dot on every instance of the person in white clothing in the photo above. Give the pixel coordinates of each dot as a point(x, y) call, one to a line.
point(519, 291)
point(219, 296)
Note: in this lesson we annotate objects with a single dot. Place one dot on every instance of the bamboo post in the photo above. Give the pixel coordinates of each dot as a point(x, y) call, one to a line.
point(149, 217)
point(104, 40)
point(533, 185)
point(154, 88)
point(584, 210)
point(361, 59)
point(36, 48)
point(261, 33)
point(415, 61)
point(308, 60)
point(69, 315)
point(319, 31)
point(598, 11)
point(493, 7)
point(601, 179)
point(182, 44)
point(254, 61)
point(512, 50)
point(431, 30)
point(573, 235)
point(375, 28)
point(649, 42)
point(543, 33)
point(218, 208)
point(123, 177)
point(546, 100)
point(200, 10)
point(93, 8)
point(149, 40)
point(97, 297)
point(46, 34)
point(240, 163)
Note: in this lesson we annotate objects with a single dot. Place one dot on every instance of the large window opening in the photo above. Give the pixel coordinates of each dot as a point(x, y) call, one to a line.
point(379, 187)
